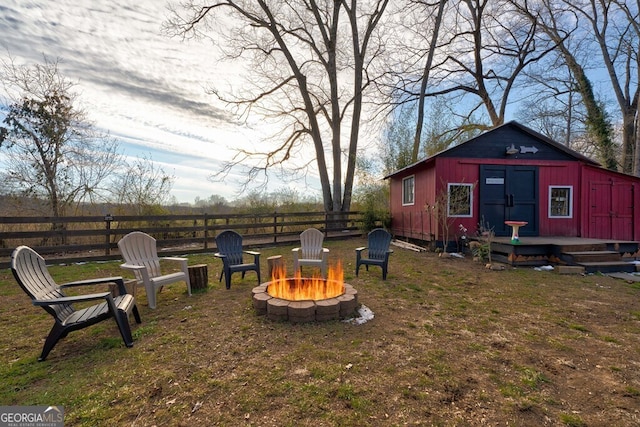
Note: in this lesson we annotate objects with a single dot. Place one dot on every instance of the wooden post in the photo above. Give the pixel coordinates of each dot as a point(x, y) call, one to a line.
point(274, 262)
point(107, 236)
point(198, 276)
point(129, 284)
point(275, 227)
point(206, 231)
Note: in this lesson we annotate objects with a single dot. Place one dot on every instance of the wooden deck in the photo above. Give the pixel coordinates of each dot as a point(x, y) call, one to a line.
point(595, 255)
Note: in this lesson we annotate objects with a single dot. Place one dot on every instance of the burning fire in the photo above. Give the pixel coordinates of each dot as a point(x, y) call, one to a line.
point(315, 288)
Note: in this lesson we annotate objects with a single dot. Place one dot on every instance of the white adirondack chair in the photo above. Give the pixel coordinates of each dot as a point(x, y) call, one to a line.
point(141, 256)
point(311, 252)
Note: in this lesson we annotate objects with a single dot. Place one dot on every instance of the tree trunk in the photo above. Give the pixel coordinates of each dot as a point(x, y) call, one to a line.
point(598, 125)
point(425, 80)
point(629, 156)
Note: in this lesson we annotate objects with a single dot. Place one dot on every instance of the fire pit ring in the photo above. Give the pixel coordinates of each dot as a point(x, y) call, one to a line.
point(277, 309)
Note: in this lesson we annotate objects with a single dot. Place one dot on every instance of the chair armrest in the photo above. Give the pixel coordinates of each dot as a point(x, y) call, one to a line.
point(173, 258)
point(117, 280)
point(72, 299)
point(325, 255)
point(360, 249)
point(183, 262)
point(295, 249)
point(141, 273)
point(133, 266)
point(256, 256)
point(98, 281)
point(219, 255)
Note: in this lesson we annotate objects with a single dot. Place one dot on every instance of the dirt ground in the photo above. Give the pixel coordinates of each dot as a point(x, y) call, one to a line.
point(451, 344)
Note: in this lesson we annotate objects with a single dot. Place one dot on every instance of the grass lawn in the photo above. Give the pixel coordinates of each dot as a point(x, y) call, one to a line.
point(451, 344)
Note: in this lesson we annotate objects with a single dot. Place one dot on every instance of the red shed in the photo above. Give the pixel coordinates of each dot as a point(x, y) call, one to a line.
point(514, 173)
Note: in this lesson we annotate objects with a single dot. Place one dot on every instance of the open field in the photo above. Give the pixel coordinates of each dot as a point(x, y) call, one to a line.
point(451, 344)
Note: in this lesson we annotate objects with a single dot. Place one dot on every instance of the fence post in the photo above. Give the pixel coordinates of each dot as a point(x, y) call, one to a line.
point(100, 239)
point(275, 227)
point(206, 231)
point(107, 236)
point(326, 223)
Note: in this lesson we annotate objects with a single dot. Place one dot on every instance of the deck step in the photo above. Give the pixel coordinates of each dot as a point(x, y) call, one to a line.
point(608, 267)
point(591, 256)
point(584, 247)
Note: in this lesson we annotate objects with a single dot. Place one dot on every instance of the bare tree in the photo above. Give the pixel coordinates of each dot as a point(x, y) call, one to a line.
point(476, 55)
point(311, 68)
point(437, 22)
point(142, 187)
point(444, 130)
point(559, 22)
point(53, 153)
point(616, 29)
point(395, 143)
point(214, 203)
point(555, 108)
point(490, 47)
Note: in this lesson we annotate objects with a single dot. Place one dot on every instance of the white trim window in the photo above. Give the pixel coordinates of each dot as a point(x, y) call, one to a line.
point(459, 200)
point(408, 190)
point(560, 201)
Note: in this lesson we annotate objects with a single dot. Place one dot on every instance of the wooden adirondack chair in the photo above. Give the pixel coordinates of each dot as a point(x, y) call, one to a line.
point(311, 252)
point(141, 256)
point(30, 271)
point(229, 244)
point(378, 251)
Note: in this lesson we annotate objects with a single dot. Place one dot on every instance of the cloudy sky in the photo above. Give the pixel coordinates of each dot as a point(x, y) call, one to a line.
point(145, 89)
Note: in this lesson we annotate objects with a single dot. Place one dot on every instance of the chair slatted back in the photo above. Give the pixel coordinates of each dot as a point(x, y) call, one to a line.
point(140, 249)
point(378, 242)
point(229, 243)
point(311, 241)
point(30, 271)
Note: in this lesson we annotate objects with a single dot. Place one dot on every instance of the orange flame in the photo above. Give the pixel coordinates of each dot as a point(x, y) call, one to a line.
point(314, 288)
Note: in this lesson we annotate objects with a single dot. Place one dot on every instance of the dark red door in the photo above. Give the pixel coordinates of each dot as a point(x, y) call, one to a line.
point(611, 210)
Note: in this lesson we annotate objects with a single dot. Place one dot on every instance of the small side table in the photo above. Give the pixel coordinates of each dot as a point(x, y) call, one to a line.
point(275, 263)
point(129, 284)
point(515, 226)
point(198, 276)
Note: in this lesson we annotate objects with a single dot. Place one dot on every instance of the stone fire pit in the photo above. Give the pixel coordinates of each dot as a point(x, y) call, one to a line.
point(278, 309)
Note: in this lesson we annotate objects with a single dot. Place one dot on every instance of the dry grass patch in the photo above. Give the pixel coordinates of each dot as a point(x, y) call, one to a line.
point(451, 344)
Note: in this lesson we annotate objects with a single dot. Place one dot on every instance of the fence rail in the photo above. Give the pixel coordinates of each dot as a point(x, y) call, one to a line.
point(95, 238)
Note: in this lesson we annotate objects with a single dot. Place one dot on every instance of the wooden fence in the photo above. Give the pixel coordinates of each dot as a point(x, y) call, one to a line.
point(95, 238)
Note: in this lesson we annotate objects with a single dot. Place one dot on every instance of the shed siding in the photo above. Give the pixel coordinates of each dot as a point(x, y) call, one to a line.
point(417, 222)
point(559, 174)
point(460, 171)
point(413, 221)
point(611, 204)
point(605, 204)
